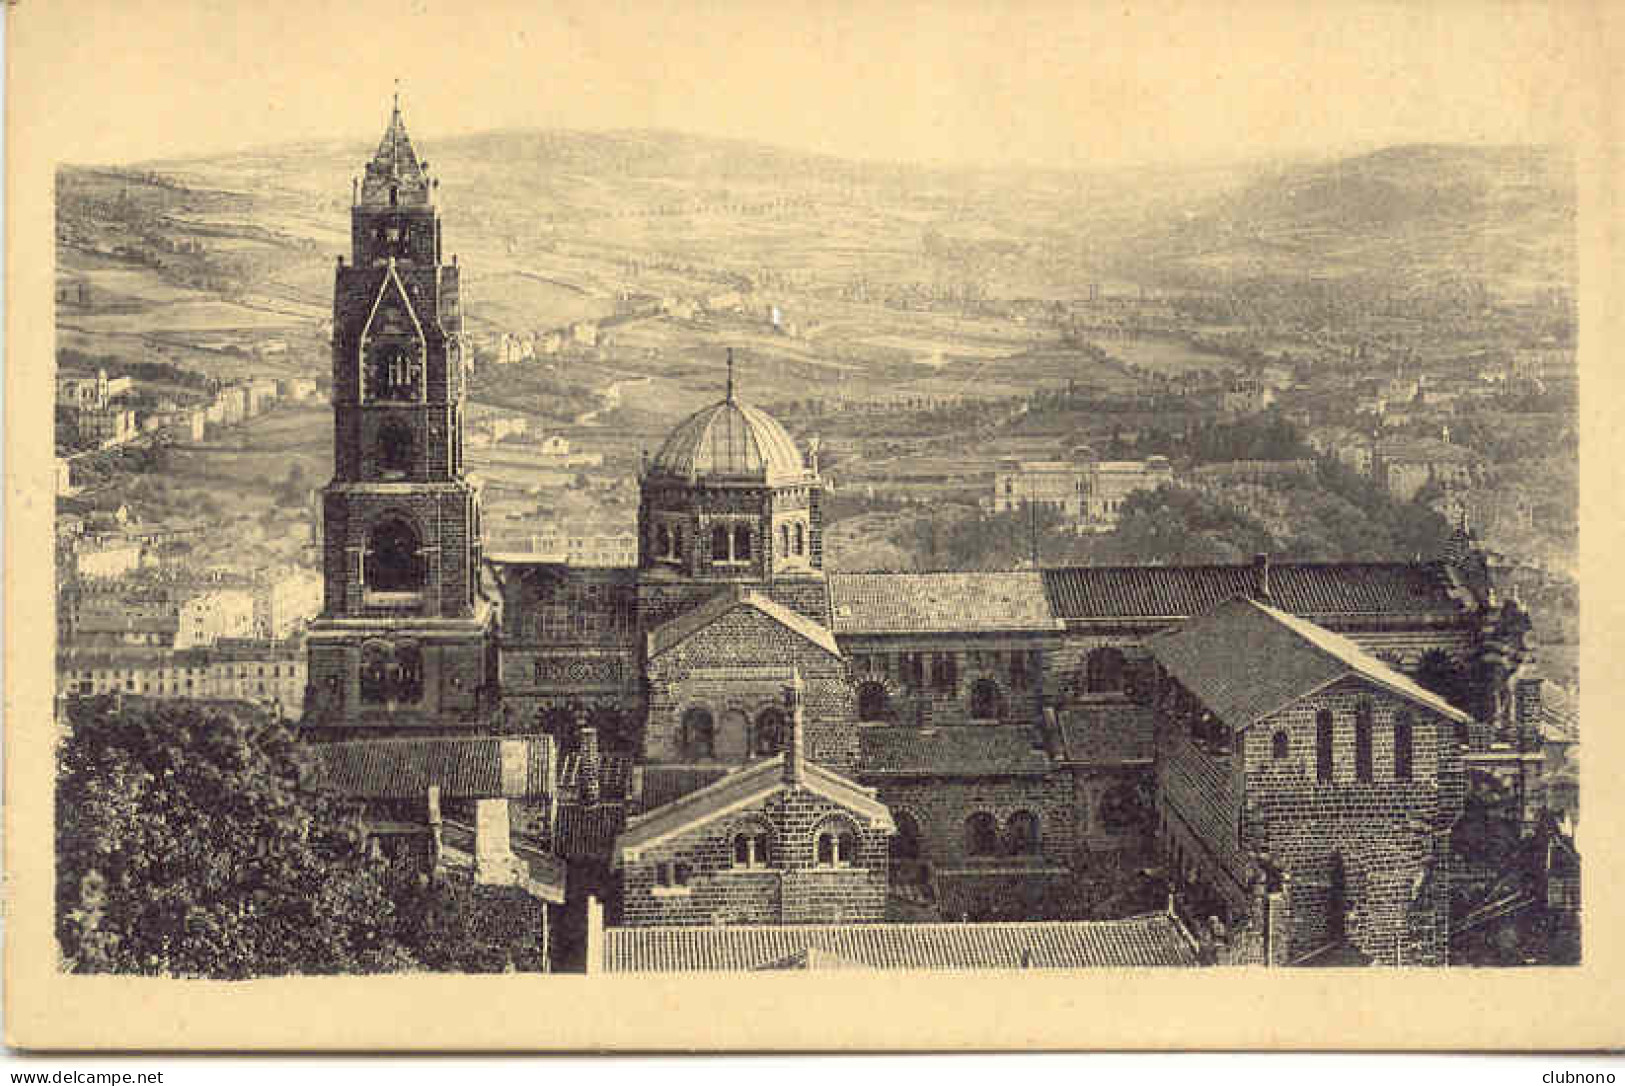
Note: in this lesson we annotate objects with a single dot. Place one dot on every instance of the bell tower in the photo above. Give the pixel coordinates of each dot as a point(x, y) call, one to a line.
point(402, 643)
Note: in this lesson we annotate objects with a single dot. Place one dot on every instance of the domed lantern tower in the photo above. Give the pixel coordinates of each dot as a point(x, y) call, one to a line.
point(729, 499)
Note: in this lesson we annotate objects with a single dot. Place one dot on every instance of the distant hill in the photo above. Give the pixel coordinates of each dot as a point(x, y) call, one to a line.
point(1505, 215)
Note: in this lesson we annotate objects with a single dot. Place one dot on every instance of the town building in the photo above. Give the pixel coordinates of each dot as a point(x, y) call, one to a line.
point(285, 601)
point(1087, 494)
point(266, 673)
point(210, 616)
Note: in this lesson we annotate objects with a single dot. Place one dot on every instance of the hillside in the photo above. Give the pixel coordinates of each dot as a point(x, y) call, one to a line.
point(1402, 216)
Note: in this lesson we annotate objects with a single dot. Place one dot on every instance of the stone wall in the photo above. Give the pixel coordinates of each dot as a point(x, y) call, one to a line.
point(791, 889)
point(940, 807)
point(735, 669)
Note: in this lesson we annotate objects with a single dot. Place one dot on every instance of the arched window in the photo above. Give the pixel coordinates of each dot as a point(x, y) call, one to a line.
point(719, 544)
point(1022, 834)
point(835, 843)
point(769, 732)
point(985, 700)
point(408, 673)
point(742, 543)
point(1104, 671)
point(698, 738)
point(784, 540)
point(1280, 745)
point(1404, 746)
point(801, 539)
point(751, 846)
point(906, 844)
point(1362, 741)
point(393, 560)
point(1461, 733)
point(981, 835)
point(395, 446)
point(874, 702)
point(662, 541)
point(1323, 746)
point(376, 660)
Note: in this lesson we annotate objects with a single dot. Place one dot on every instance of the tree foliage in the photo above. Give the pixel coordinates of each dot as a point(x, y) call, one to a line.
point(186, 847)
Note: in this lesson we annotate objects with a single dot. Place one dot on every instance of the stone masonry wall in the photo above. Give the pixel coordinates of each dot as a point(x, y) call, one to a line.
point(735, 668)
point(792, 889)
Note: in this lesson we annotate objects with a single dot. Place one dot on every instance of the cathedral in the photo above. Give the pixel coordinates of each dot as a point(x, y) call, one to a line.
point(739, 737)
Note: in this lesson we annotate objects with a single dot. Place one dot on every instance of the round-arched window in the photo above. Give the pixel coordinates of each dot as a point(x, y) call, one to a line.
point(1022, 834)
point(874, 702)
point(906, 844)
point(986, 702)
point(768, 735)
point(698, 738)
point(394, 562)
point(981, 835)
point(1280, 745)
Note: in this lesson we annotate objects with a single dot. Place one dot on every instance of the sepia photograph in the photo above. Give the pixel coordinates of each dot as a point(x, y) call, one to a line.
point(1046, 494)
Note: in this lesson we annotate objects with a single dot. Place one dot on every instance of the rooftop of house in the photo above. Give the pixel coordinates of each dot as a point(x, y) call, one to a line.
point(892, 603)
point(1303, 588)
point(472, 768)
point(1110, 732)
point(965, 750)
point(1153, 940)
point(1245, 661)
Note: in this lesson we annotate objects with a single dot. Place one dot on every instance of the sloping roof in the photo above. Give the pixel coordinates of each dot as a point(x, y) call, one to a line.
point(1154, 940)
point(1106, 732)
point(662, 784)
point(461, 768)
point(1244, 661)
point(1302, 588)
point(673, 632)
point(869, 603)
point(730, 440)
point(588, 833)
point(743, 788)
point(968, 750)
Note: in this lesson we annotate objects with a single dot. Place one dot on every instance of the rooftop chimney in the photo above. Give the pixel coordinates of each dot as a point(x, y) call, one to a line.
point(1261, 576)
point(793, 752)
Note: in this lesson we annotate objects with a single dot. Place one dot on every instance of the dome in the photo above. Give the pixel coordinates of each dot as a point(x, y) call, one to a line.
point(730, 440)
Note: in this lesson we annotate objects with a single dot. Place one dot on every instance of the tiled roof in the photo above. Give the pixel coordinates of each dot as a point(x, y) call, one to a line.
point(679, 629)
point(871, 603)
point(967, 750)
point(588, 833)
point(743, 788)
point(1106, 732)
point(1303, 588)
point(663, 784)
point(1155, 940)
point(1245, 661)
point(462, 768)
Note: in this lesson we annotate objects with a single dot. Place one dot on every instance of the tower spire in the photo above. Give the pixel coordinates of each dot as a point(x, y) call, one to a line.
point(730, 375)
